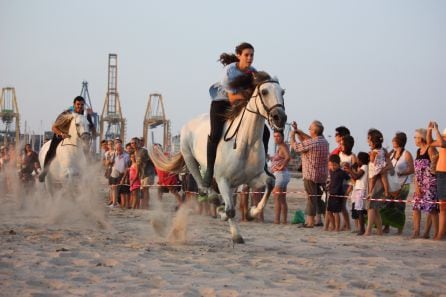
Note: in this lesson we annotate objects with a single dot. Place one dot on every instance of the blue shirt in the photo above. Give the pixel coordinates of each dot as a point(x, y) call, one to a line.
point(219, 90)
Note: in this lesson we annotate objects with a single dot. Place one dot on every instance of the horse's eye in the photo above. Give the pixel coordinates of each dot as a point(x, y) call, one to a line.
point(264, 92)
point(283, 92)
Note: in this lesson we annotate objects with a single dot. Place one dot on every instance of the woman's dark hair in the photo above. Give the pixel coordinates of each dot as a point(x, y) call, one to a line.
point(364, 158)
point(400, 139)
point(348, 142)
point(342, 131)
point(376, 137)
point(227, 59)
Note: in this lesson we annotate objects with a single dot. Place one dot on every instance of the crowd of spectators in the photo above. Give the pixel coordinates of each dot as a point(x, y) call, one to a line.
point(375, 184)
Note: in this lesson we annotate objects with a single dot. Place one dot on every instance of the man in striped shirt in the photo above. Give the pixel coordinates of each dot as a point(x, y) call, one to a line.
point(314, 152)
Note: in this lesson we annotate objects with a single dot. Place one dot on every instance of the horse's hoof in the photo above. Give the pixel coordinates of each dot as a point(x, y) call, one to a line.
point(238, 239)
point(252, 213)
point(249, 217)
point(230, 213)
point(221, 211)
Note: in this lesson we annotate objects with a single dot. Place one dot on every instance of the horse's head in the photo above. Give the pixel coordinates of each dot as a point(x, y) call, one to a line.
point(268, 100)
point(82, 128)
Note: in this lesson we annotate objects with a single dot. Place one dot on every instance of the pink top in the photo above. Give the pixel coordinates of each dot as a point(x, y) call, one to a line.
point(135, 182)
point(276, 161)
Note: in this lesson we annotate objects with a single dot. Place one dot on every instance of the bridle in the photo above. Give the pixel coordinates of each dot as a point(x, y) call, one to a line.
point(258, 94)
point(268, 110)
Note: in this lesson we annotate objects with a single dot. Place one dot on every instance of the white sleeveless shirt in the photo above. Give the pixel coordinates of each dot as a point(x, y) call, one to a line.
point(346, 158)
point(401, 166)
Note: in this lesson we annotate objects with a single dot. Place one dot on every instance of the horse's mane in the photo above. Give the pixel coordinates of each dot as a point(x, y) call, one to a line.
point(246, 83)
point(64, 120)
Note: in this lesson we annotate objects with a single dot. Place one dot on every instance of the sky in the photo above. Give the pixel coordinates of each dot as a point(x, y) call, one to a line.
point(361, 64)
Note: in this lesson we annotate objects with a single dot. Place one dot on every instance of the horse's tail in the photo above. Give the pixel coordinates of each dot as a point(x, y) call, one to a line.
point(174, 163)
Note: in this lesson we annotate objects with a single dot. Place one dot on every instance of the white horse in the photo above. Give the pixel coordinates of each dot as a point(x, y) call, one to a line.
point(70, 155)
point(241, 156)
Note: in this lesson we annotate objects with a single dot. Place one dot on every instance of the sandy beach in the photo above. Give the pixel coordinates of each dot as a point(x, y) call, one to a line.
point(51, 248)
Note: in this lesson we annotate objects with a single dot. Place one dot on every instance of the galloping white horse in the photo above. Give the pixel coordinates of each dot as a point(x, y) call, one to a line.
point(70, 153)
point(241, 156)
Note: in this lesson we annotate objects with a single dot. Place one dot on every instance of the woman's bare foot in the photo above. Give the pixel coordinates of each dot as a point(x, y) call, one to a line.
point(415, 235)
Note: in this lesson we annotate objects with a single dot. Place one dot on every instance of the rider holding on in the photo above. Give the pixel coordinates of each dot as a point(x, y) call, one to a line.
point(223, 96)
point(60, 129)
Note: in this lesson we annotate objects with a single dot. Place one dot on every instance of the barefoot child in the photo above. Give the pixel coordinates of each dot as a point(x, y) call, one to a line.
point(336, 193)
point(360, 177)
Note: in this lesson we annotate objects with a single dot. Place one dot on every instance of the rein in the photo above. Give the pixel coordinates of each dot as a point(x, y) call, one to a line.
point(257, 112)
point(268, 110)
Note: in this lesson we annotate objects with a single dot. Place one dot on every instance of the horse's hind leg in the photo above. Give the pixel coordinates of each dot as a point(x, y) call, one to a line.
point(263, 180)
point(193, 167)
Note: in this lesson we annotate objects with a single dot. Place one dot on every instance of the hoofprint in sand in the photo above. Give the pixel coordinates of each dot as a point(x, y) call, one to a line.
point(196, 257)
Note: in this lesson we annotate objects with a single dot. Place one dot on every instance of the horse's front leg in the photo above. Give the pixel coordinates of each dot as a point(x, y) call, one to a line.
point(226, 192)
point(264, 180)
point(229, 211)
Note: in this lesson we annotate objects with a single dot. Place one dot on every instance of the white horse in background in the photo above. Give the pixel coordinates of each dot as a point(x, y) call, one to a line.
point(240, 156)
point(70, 155)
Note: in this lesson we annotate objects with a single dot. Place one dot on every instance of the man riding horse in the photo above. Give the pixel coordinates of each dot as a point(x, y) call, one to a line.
point(60, 129)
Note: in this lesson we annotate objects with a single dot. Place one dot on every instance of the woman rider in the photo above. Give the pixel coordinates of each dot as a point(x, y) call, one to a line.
point(223, 96)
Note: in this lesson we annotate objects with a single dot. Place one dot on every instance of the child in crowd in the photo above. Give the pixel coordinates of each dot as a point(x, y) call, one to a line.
point(336, 193)
point(360, 176)
point(348, 158)
point(135, 182)
point(378, 161)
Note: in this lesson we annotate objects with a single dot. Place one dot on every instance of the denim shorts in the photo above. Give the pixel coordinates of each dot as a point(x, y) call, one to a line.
point(282, 179)
point(441, 185)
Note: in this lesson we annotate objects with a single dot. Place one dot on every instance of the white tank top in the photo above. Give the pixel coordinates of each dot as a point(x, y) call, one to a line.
point(401, 166)
point(346, 159)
